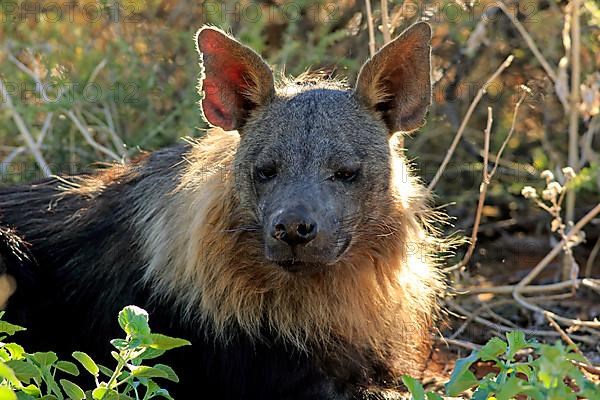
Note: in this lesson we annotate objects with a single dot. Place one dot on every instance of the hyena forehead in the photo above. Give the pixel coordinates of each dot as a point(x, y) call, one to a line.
point(320, 122)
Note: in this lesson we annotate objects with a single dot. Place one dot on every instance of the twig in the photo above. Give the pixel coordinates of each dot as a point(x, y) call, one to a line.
point(385, 22)
point(485, 180)
point(117, 141)
point(567, 321)
point(31, 145)
point(88, 138)
point(39, 86)
point(370, 27)
point(508, 289)
point(96, 71)
point(573, 155)
point(45, 128)
point(466, 119)
point(104, 126)
point(530, 42)
point(9, 159)
point(459, 343)
point(588, 367)
point(504, 328)
point(566, 337)
point(556, 250)
point(512, 128)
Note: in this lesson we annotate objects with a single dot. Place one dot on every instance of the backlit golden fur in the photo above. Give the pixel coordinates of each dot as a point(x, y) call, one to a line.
point(381, 296)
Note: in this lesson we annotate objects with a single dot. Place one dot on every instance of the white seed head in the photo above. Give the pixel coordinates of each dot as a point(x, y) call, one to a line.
point(548, 194)
point(547, 175)
point(555, 187)
point(529, 192)
point(568, 172)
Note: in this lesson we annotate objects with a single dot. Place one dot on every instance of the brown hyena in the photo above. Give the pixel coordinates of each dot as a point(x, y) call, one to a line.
point(291, 244)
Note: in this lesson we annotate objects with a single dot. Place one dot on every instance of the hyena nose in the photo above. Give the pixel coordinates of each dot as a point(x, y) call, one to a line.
point(294, 228)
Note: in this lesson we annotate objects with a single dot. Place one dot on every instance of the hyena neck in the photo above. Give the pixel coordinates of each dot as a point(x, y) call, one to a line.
point(371, 298)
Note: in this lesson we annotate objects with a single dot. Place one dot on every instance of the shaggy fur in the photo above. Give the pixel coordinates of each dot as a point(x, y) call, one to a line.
point(380, 296)
point(181, 232)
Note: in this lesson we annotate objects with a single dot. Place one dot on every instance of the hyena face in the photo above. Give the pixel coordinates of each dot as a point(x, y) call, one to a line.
point(314, 162)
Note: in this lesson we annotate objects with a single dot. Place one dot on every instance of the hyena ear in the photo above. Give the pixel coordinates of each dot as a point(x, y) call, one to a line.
point(396, 81)
point(235, 79)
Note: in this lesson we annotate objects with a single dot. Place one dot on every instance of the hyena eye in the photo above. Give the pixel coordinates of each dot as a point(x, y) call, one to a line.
point(345, 175)
point(266, 172)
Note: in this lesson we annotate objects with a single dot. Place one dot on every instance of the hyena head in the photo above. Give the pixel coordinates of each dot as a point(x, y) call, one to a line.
point(314, 164)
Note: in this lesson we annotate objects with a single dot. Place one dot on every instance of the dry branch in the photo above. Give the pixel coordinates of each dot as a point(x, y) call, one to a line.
point(370, 27)
point(487, 177)
point(385, 22)
point(529, 289)
point(25, 133)
point(88, 138)
point(504, 328)
point(466, 119)
point(517, 291)
point(556, 250)
point(530, 42)
point(573, 154)
point(482, 192)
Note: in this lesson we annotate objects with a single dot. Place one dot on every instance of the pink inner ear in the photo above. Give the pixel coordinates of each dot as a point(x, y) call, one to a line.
point(224, 83)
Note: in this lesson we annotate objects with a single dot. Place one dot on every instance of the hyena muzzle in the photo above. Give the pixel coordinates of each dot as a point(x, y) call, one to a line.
point(291, 244)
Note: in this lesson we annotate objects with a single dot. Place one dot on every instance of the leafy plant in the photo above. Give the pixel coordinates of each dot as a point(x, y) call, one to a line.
point(548, 372)
point(26, 376)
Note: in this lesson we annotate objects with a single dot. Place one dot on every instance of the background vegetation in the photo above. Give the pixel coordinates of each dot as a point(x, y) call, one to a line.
point(102, 80)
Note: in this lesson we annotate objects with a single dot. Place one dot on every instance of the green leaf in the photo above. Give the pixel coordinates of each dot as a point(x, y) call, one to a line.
point(7, 394)
point(24, 370)
point(524, 369)
point(143, 371)
point(150, 353)
point(51, 383)
point(510, 388)
point(591, 391)
point(4, 355)
point(483, 391)
point(103, 393)
point(492, 349)
point(7, 373)
point(433, 396)
point(134, 321)
point(31, 390)
point(163, 342)
point(72, 391)
point(414, 387)
point(119, 344)
point(106, 371)
point(516, 341)
point(461, 378)
point(87, 362)
point(68, 367)
point(16, 351)
point(163, 393)
point(10, 329)
point(171, 375)
point(45, 358)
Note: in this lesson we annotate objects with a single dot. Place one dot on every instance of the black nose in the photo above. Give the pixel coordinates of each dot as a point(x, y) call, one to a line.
point(294, 228)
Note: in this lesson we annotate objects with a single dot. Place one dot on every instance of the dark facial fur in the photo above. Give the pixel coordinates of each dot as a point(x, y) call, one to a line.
point(328, 170)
